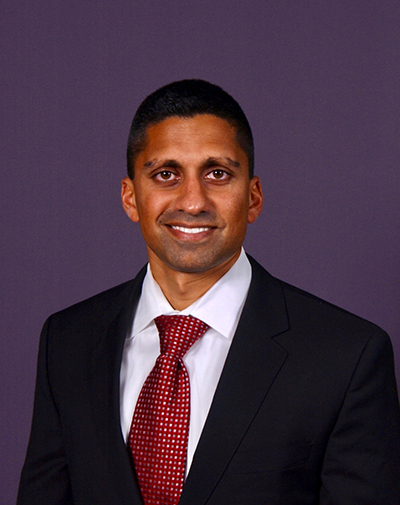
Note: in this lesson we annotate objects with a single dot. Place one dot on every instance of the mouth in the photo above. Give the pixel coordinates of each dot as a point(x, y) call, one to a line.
point(191, 234)
point(191, 231)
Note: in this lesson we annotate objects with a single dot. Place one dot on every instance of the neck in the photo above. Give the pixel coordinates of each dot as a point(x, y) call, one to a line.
point(181, 289)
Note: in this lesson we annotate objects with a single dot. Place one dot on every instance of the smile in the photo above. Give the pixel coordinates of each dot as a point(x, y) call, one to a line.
point(191, 230)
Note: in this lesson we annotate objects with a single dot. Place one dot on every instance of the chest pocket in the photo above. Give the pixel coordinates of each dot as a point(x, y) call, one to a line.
point(273, 459)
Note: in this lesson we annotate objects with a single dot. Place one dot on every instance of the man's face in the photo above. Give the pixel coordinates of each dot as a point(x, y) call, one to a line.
point(191, 193)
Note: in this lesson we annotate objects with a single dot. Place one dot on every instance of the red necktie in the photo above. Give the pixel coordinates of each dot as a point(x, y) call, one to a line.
point(160, 426)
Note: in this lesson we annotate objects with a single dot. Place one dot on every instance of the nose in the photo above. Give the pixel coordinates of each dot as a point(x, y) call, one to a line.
point(192, 196)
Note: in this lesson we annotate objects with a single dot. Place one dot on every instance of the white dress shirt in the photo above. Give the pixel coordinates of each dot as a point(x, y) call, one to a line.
point(220, 307)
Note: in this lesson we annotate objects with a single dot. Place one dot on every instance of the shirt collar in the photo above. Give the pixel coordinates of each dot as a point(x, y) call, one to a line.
point(220, 307)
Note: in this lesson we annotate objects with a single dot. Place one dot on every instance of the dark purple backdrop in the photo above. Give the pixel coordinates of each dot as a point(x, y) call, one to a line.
point(319, 81)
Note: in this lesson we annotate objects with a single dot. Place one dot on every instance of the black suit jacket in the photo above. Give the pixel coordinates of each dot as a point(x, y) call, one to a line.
point(306, 410)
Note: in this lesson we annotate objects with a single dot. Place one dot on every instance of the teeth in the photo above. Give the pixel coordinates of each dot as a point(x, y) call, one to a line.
point(190, 230)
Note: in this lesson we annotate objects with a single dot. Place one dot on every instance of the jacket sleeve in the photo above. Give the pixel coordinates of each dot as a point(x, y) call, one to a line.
point(362, 461)
point(45, 478)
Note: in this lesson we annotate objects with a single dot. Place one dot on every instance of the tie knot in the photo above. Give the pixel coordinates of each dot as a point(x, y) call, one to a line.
point(179, 333)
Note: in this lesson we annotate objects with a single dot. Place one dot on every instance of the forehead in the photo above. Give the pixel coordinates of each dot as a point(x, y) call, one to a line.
point(196, 135)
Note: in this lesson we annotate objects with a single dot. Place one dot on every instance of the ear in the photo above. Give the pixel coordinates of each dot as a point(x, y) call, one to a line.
point(128, 198)
point(255, 199)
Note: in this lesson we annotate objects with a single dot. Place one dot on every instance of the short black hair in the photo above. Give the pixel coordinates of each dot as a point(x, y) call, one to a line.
point(185, 99)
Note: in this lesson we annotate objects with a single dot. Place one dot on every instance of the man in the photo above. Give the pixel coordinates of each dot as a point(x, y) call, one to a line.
point(291, 400)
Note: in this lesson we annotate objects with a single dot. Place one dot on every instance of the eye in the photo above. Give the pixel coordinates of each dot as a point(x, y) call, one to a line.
point(218, 175)
point(165, 175)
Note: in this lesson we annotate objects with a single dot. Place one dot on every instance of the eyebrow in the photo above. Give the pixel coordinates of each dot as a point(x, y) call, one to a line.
point(212, 161)
point(162, 163)
point(209, 162)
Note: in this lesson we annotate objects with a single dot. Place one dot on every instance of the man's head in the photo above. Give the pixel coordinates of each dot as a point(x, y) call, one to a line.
point(191, 192)
point(186, 99)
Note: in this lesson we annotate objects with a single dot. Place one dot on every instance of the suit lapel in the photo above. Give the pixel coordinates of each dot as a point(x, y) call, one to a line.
point(104, 377)
point(252, 364)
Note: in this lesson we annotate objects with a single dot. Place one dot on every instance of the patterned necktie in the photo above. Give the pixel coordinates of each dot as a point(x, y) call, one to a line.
point(159, 433)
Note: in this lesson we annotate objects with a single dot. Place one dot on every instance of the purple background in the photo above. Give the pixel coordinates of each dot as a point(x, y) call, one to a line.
point(319, 81)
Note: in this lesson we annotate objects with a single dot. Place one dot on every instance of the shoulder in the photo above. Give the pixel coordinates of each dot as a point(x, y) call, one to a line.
point(317, 320)
point(328, 348)
point(100, 307)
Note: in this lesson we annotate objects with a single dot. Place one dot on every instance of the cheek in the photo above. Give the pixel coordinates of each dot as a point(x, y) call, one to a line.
point(239, 208)
point(149, 207)
point(237, 216)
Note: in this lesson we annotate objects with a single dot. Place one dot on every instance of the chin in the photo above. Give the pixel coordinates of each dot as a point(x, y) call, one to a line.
point(199, 264)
